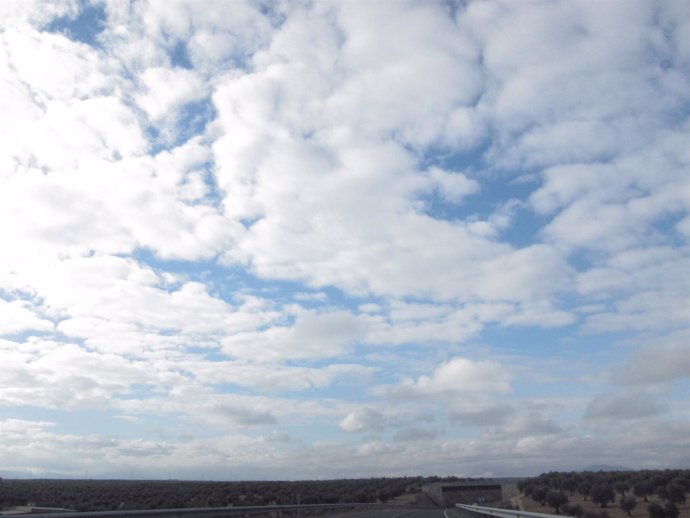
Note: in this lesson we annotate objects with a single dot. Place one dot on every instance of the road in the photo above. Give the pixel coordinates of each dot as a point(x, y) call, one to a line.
point(403, 512)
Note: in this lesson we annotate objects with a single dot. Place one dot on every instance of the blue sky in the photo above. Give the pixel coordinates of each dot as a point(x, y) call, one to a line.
point(299, 239)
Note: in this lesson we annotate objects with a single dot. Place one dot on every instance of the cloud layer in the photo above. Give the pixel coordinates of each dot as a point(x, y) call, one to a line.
point(238, 237)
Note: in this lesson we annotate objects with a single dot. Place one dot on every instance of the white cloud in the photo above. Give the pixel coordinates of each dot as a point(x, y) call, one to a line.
point(17, 316)
point(493, 192)
point(313, 335)
point(364, 420)
point(118, 305)
point(110, 209)
point(167, 89)
point(273, 377)
point(51, 374)
point(361, 206)
point(73, 176)
point(36, 12)
point(58, 94)
point(645, 288)
point(425, 323)
point(52, 67)
point(211, 34)
point(188, 403)
point(531, 86)
point(454, 186)
point(459, 376)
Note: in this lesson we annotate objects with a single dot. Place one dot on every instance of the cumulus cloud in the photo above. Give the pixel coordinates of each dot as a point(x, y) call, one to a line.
point(245, 221)
point(36, 12)
point(313, 335)
point(459, 376)
point(453, 186)
point(166, 89)
point(100, 298)
point(644, 289)
point(364, 420)
point(62, 375)
point(17, 316)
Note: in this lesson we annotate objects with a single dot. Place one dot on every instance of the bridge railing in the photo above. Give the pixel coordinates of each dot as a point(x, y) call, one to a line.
point(204, 512)
point(507, 513)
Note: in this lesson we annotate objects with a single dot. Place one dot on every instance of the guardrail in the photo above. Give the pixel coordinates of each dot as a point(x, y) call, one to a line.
point(507, 513)
point(199, 512)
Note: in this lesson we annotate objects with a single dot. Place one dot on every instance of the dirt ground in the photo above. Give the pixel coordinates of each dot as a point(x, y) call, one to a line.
point(613, 510)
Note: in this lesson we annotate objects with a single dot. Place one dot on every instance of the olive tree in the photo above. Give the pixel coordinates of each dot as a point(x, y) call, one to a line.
point(602, 494)
point(556, 499)
point(643, 489)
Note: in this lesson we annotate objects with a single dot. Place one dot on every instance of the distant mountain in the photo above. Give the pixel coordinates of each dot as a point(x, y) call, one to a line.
point(605, 467)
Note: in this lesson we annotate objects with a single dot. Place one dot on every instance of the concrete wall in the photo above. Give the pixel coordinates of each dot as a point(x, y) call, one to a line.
point(447, 495)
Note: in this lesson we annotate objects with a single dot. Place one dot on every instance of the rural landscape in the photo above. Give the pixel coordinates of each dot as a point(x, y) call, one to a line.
point(636, 494)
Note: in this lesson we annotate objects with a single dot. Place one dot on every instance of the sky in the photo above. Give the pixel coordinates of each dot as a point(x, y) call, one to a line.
point(248, 239)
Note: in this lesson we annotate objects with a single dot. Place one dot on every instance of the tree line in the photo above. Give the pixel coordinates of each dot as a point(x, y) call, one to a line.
point(106, 495)
point(627, 489)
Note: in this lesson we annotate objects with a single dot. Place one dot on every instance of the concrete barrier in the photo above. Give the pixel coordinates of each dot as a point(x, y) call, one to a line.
point(507, 513)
